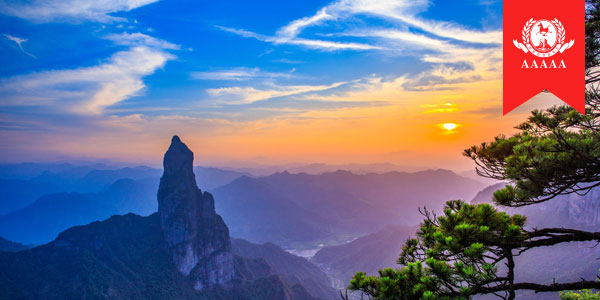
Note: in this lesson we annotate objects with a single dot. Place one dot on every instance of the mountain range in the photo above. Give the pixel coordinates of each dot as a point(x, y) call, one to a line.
point(180, 246)
point(181, 252)
point(22, 184)
point(291, 210)
point(381, 249)
point(294, 210)
point(368, 253)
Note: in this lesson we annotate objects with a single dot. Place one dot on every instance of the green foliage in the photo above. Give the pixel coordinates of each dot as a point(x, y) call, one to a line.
point(454, 256)
point(557, 150)
point(592, 34)
point(580, 295)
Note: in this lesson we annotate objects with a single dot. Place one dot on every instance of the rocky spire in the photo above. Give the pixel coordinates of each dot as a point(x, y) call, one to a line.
point(196, 236)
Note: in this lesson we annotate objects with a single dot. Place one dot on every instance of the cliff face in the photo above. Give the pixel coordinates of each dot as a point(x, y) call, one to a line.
point(195, 234)
point(572, 210)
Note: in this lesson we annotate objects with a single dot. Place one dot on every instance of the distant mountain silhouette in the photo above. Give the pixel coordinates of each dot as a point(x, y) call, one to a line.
point(294, 269)
point(486, 195)
point(31, 170)
point(36, 207)
point(381, 250)
point(299, 209)
point(368, 253)
point(571, 211)
point(17, 193)
point(22, 184)
point(559, 263)
point(10, 246)
point(125, 257)
point(292, 210)
point(320, 168)
point(210, 178)
point(51, 214)
point(182, 252)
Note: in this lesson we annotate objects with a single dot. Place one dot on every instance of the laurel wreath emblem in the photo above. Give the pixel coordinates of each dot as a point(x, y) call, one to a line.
point(560, 37)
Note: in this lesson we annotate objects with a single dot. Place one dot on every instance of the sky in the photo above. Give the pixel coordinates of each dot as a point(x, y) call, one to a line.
point(252, 82)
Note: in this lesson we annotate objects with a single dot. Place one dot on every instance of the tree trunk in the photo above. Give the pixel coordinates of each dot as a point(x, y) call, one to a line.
point(511, 274)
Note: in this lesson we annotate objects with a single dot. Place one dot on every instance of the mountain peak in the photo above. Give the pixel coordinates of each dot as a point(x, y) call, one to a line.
point(196, 236)
point(175, 139)
point(179, 158)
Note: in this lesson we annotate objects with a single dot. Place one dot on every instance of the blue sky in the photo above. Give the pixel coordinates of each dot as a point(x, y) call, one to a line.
point(112, 71)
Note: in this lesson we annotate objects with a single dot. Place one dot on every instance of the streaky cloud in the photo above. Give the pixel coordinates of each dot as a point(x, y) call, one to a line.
point(238, 74)
point(90, 89)
point(42, 11)
point(245, 95)
point(19, 41)
point(140, 39)
point(309, 43)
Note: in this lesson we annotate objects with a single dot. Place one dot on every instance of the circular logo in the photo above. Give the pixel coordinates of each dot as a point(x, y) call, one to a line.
point(543, 36)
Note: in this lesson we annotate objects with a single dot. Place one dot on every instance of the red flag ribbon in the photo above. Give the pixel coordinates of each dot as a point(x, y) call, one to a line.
point(544, 49)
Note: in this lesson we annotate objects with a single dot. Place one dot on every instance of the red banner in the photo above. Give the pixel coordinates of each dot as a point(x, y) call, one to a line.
point(544, 49)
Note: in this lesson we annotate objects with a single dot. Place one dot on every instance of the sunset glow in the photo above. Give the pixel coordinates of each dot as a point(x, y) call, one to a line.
point(299, 92)
point(449, 126)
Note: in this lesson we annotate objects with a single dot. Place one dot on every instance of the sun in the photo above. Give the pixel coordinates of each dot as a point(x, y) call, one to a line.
point(449, 126)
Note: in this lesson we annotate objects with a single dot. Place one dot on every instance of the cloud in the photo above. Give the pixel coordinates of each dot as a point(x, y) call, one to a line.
point(308, 43)
point(19, 41)
point(288, 61)
point(140, 39)
point(241, 95)
point(89, 90)
point(42, 11)
point(86, 90)
point(294, 28)
point(405, 12)
point(399, 40)
point(238, 74)
point(454, 56)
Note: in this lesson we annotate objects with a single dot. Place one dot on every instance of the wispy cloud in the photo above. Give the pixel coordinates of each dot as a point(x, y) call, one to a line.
point(404, 11)
point(244, 95)
point(86, 90)
point(309, 43)
point(456, 54)
point(19, 41)
point(140, 39)
point(288, 61)
point(89, 90)
point(70, 10)
point(401, 40)
point(239, 74)
point(295, 27)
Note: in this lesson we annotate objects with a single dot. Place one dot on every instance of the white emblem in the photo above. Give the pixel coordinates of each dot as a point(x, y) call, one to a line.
point(543, 38)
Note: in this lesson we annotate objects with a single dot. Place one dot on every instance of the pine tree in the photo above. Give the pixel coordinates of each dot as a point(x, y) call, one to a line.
point(456, 255)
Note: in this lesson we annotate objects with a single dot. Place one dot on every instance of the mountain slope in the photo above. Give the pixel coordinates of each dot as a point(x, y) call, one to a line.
point(571, 211)
point(181, 252)
point(210, 178)
point(302, 210)
point(544, 265)
point(23, 184)
point(9, 246)
point(18, 193)
point(41, 221)
point(294, 269)
point(368, 253)
point(124, 257)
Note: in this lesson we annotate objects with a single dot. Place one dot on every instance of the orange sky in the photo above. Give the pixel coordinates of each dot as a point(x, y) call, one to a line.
point(407, 133)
